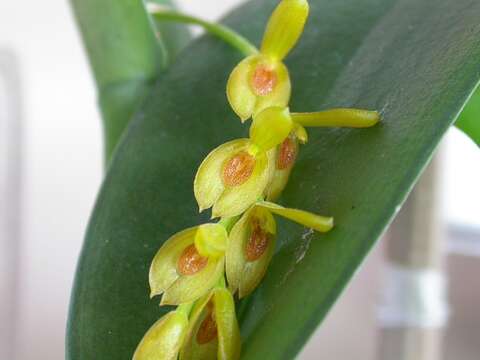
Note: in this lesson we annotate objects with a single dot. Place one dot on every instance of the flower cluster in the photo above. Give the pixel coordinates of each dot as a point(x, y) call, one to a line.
point(202, 268)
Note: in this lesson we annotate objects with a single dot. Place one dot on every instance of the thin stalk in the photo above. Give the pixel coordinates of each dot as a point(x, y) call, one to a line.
point(224, 33)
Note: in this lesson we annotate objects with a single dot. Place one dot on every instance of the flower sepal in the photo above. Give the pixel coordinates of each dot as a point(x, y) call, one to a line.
point(305, 218)
point(213, 332)
point(286, 154)
point(164, 338)
point(251, 247)
point(257, 83)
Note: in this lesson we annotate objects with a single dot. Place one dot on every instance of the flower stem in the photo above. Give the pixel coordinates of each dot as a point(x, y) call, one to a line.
point(226, 34)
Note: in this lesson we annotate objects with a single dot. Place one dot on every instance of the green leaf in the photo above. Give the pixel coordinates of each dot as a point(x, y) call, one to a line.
point(415, 61)
point(469, 119)
point(125, 55)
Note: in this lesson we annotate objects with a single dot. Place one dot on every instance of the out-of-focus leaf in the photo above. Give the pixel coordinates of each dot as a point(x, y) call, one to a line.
point(469, 119)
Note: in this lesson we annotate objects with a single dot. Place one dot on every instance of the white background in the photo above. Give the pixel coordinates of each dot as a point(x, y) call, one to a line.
point(62, 169)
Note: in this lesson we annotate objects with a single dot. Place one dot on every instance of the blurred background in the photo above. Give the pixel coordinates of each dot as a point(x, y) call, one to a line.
point(51, 169)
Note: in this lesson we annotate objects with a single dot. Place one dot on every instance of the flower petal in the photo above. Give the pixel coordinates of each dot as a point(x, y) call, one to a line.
point(208, 184)
point(254, 271)
point(211, 240)
point(244, 98)
point(222, 345)
point(353, 118)
point(189, 288)
point(164, 339)
point(285, 159)
point(284, 28)
point(316, 222)
point(278, 183)
point(243, 274)
point(229, 342)
point(163, 270)
point(280, 94)
point(235, 200)
point(270, 127)
point(192, 349)
point(239, 92)
point(234, 256)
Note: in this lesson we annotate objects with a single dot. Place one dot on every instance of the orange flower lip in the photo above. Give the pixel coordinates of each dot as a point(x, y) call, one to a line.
point(264, 80)
point(286, 154)
point(238, 169)
point(191, 262)
point(257, 244)
point(207, 331)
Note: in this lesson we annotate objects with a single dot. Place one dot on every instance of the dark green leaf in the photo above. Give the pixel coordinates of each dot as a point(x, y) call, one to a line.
point(415, 60)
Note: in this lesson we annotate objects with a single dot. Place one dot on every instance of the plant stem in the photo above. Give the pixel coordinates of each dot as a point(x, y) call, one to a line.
point(226, 34)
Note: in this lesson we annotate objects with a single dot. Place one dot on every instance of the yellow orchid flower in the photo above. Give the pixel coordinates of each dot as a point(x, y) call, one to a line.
point(232, 177)
point(188, 264)
point(251, 247)
point(252, 242)
point(262, 80)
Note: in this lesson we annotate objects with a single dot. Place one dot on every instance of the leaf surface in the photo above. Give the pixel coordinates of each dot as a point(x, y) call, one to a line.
point(414, 60)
